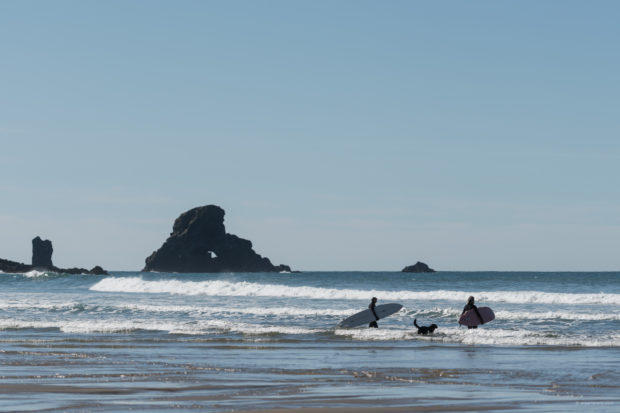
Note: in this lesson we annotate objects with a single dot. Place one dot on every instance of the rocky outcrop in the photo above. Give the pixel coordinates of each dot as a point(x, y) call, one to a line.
point(96, 270)
point(418, 267)
point(199, 243)
point(12, 266)
point(42, 260)
point(42, 253)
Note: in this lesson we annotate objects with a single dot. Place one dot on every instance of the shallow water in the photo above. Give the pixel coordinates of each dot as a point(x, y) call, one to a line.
point(222, 342)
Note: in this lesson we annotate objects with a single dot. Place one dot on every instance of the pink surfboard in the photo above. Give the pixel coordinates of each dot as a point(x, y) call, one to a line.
point(470, 318)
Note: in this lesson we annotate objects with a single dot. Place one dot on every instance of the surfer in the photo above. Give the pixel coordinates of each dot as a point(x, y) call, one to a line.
point(371, 307)
point(471, 306)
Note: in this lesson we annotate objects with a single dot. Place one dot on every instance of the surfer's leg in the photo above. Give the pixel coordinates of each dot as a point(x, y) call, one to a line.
point(373, 324)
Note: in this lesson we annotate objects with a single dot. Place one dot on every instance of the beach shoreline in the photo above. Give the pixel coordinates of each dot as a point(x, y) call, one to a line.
point(271, 343)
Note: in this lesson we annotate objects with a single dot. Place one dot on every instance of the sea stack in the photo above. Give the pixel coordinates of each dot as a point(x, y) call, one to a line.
point(418, 267)
point(199, 243)
point(42, 253)
point(42, 260)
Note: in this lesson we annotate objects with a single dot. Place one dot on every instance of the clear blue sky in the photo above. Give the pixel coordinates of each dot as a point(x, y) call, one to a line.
point(344, 135)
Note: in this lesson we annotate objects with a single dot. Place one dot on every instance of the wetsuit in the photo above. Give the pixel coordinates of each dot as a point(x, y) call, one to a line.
point(371, 307)
point(468, 307)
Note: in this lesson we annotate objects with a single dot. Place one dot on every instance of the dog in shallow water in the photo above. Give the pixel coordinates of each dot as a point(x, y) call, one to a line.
point(424, 329)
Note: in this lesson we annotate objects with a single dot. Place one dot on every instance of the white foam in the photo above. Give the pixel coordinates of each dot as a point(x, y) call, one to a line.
point(279, 311)
point(124, 326)
point(557, 315)
point(430, 315)
point(489, 336)
point(376, 334)
point(249, 289)
point(90, 326)
point(40, 305)
point(34, 274)
point(254, 329)
point(526, 315)
point(482, 336)
point(454, 335)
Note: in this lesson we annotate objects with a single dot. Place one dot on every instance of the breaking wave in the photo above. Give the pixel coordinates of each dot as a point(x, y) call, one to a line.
point(35, 274)
point(251, 289)
point(479, 336)
point(171, 327)
point(525, 315)
point(453, 335)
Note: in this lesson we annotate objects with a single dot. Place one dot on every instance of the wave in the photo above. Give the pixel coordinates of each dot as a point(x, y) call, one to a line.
point(89, 326)
point(45, 306)
point(35, 274)
point(261, 311)
point(172, 309)
point(524, 315)
point(127, 326)
point(29, 274)
point(481, 336)
point(252, 332)
point(430, 315)
point(250, 289)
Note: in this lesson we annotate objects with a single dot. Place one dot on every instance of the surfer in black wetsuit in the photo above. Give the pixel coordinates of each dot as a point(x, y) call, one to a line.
point(471, 306)
point(371, 307)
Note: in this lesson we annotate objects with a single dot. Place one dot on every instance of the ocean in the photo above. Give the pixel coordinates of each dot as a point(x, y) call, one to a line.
point(157, 342)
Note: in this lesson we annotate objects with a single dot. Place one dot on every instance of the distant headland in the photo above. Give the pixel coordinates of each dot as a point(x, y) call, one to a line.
point(42, 260)
point(199, 243)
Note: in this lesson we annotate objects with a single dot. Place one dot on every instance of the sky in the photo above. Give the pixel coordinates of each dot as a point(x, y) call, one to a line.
point(336, 135)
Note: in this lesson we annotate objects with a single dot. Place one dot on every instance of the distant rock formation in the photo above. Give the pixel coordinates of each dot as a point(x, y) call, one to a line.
point(418, 267)
point(42, 253)
point(42, 260)
point(12, 266)
point(96, 270)
point(199, 243)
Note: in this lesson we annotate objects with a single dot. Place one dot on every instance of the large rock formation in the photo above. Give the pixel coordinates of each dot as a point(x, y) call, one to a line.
point(42, 253)
point(42, 260)
point(418, 267)
point(199, 243)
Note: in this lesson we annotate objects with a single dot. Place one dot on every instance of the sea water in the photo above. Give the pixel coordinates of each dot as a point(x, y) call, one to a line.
point(224, 342)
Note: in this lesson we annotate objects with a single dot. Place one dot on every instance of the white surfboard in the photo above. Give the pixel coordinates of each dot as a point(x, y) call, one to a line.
point(366, 316)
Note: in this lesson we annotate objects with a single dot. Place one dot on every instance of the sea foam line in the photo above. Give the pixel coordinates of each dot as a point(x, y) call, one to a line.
point(481, 336)
point(125, 326)
point(170, 309)
point(35, 274)
point(524, 315)
point(250, 289)
point(279, 311)
point(430, 314)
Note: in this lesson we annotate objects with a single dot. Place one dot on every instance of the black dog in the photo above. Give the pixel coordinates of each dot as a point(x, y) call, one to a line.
point(424, 329)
